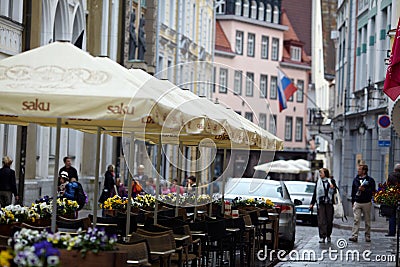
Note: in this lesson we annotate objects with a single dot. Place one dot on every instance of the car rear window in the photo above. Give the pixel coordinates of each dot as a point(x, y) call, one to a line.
point(300, 188)
point(256, 190)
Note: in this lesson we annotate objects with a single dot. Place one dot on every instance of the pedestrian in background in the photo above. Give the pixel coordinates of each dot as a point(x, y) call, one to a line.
point(393, 180)
point(72, 172)
point(323, 196)
point(109, 183)
point(362, 192)
point(8, 185)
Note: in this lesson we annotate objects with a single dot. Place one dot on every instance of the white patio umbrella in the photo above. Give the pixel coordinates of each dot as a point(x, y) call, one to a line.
point(63, 86)
point(299, 164)
point(278, 166)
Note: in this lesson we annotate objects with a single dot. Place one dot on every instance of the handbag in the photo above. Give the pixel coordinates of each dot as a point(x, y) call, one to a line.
point(338, 210)
point(104, 196)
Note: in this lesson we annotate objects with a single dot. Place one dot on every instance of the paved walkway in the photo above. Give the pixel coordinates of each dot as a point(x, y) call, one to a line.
point(342, 252)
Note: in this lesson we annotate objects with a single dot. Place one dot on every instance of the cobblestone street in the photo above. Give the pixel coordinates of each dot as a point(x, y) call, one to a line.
point(342, 252)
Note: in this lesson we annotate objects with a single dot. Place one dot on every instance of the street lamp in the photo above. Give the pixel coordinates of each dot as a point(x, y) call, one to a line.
point(318, 120)
point(362, 128)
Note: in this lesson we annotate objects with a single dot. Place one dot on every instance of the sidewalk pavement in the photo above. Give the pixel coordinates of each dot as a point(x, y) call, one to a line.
point(381, 226)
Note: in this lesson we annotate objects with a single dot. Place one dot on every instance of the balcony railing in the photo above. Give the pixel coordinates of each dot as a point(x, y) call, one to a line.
point(10, 37)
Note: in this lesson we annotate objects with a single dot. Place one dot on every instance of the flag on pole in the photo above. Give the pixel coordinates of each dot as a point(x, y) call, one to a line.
point(391, 86)
point(285, 89)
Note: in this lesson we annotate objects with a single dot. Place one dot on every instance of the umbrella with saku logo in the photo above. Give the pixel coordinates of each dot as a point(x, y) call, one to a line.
point(63, 86)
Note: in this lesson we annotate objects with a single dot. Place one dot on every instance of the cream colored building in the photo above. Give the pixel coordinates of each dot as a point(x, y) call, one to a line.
point(185, 44)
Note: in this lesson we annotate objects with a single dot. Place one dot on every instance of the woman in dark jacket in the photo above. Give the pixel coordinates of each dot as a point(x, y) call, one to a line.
point(109, 180)
point(8, 185)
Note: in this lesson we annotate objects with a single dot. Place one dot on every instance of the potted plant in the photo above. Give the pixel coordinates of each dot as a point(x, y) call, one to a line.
point(387, 196)
point(114, 204)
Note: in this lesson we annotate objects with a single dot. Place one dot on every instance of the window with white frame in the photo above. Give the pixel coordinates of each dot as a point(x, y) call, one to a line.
point(300, 91)
point(291, 97)
point(223, 80)
point(268, 17)
point(272, 125)
point(238, 7)
point(214, 79)
point(275, 49)
point(288, 128)
point(274, 83)
point(264, 47)
point(295, 53)
point(249, 83)
point(299, 130)
point(160, 67)
point(251, 40)
point(239, 42)
point(261, 11)
point(246, 9)
point(162, 7)
point(276, 15)
point(172, 14)
point(220, 7)
point(237, 87)
point(193, 22)
point(263, 121)
point(253, 9)
point(263, 85)
point(249, 116)
point(170, 70)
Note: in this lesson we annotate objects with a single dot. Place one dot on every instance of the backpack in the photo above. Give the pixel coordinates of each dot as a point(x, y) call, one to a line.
point(80, 196)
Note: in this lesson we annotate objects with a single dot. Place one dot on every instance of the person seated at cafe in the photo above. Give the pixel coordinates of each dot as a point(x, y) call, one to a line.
point(164, 189)
point(70, 189)
point(121, 188)
point(63, 180)
point(136, 188)
point(149, 186)
point(172, 188)
point(191, 184)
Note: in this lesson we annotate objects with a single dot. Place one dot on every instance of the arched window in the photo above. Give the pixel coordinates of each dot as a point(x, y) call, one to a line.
point(261, 11)
point(238, 7)
point(276, 14)
point(246, 9)
point(253, 9)
point(268, 18)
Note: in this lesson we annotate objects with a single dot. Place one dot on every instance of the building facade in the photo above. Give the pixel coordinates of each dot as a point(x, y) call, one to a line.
point(253, 40)
point(363, 47)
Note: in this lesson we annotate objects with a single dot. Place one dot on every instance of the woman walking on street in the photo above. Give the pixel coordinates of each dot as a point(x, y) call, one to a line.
point(323, 196)
point(109, 183)
point(8, 186)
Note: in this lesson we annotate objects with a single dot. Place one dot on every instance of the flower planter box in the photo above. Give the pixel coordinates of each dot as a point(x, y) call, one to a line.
point(41, 223)
point(112, 213)
point(7, 229)
point(73, 258)
point(387, 211)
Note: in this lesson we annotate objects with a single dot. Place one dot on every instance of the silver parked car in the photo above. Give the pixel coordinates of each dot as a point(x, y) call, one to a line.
point(303, 191)
point(277, 192)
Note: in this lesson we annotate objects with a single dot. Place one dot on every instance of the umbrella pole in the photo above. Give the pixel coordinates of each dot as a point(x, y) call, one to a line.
point(96, 176)
point(223, 182)
point(158, 178)
point(211, 171)
point(55, 179)
point(197, 181)
point(130, 177)
point(178, 174)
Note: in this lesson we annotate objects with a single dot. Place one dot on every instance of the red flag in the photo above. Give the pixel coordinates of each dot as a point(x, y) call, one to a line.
point(391, 86)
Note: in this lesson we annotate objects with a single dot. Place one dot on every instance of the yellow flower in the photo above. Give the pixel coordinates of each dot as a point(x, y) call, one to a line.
point(5, 257)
